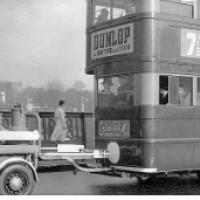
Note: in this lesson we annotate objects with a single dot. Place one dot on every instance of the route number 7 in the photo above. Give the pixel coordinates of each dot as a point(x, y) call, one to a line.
point(193, 38)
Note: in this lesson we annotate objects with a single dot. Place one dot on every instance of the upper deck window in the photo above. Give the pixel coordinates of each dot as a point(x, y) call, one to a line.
point(103, 10)
point(184, 8)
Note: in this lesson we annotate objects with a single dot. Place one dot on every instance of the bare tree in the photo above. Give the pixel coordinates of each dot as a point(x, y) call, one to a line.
point(79, 85)
point(55, 85)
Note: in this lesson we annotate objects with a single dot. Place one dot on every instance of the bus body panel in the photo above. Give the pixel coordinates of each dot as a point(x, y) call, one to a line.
point(165, 137)
point(160, 134)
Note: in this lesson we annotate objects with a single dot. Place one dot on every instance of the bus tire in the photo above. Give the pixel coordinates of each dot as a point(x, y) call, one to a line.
point(16, 179)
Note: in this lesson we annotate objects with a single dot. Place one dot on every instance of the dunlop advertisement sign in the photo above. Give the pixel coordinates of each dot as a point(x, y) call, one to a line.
point(112, 41)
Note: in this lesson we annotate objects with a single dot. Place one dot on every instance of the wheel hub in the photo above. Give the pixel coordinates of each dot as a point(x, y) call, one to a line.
point(15, 183)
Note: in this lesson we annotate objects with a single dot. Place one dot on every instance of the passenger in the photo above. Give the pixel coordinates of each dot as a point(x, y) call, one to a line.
point(104, 13)
point(125, 92)
point(106, 97)
point(60, 130)
point(164, 95)
point(107, 83)
point(182, 95)
point(124, 84)
point(130, 7)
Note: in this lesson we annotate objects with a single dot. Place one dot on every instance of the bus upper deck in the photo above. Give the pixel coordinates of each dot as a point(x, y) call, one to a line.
point(141, 35)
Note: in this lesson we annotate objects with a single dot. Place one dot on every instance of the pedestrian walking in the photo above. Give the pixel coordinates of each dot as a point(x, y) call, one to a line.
point(60, 130)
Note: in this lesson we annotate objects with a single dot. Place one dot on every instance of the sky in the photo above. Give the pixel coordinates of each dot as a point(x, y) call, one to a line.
point(43, 40)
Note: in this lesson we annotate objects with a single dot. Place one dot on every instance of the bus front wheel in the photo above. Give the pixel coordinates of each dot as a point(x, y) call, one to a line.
point(16, 180)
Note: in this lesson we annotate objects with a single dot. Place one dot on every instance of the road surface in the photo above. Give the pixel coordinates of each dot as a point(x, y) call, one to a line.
point(60, 180)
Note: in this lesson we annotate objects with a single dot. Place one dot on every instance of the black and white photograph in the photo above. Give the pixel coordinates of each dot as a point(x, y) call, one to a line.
point(100, 97)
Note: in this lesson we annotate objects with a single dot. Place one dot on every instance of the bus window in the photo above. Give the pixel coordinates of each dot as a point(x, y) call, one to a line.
point(187, 11)
point(103, 15)
point(198, 91)
point(105, 92)
point(125, 91)
point(195, 8)
point(117, 91)
point(117, 12)
point(185, 90)
point(169, 7)
point(123, 8)
point(104, 10)
point(101, 11)
point(175, 90)
point(183, 8)
point(181, 90)
point(164, 90)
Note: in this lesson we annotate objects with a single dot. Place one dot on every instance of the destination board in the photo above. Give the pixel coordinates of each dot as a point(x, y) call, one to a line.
point(190, 43)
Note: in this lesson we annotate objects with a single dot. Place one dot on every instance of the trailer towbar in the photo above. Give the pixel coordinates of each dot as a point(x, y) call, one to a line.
point(71, 157)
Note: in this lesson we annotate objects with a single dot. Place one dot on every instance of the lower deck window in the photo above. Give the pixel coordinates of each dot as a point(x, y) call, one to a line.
point(117, 91)
point(175, 90)
point(198, 92)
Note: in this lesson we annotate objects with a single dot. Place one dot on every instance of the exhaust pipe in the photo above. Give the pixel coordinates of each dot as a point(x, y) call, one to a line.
point(85, 169)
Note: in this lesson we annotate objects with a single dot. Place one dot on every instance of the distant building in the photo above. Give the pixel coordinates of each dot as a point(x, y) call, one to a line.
point(9, 93)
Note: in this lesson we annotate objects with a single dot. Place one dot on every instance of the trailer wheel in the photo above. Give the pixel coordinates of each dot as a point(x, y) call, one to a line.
point(16, 180)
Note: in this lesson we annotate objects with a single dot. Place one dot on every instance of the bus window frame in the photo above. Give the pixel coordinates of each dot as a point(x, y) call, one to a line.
point(118, 93)
point(93, 3)
point(175, 80)
point(93, 11)
point(180, 5)
point(196, 88)
point(92, 19)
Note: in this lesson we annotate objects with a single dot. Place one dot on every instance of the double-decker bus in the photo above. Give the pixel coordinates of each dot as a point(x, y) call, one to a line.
point(145, 57)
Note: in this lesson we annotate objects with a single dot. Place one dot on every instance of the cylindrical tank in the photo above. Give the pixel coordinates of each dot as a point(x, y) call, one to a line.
point(18, 120)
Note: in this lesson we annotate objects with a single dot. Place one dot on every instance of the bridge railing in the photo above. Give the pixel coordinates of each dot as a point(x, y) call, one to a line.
point(80, 126)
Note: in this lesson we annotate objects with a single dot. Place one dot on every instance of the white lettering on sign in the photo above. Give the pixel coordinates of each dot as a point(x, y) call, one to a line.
point(112, 41)
point(192, 37)
point(111, 128)
point(190, 43)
